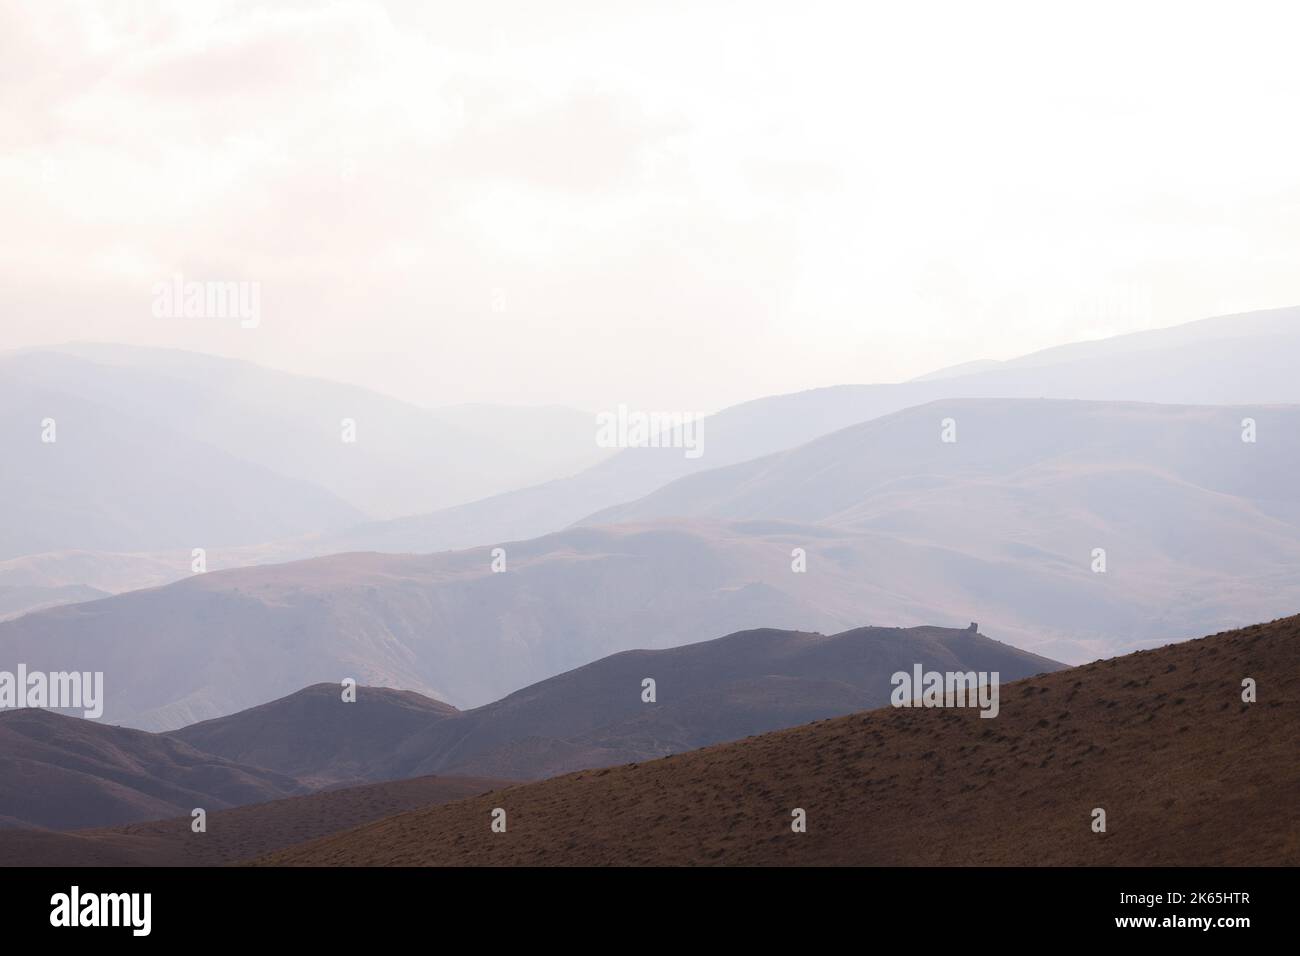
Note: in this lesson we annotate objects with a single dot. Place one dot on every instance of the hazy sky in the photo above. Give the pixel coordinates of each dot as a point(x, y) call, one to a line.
point(674, 205)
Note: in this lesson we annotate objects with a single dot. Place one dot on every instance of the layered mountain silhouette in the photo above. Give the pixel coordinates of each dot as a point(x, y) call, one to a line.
point(65, 772)
point(160, 449)
point(1111, 459)
point(315, 736)
point(444, 625)
point(112, 482)
point(1226, 360)
point(463, 462)
point(1170, 510)
point(51, 578)
point(17, 600)
point(69, 772)
point(1073, 527)
point(1199, 531)
point(596, 716)
point(1186, 771)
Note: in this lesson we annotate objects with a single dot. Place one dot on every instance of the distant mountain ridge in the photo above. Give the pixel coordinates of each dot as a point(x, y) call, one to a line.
point(65, 772)
point(995, 444)
point(595, 715)
point(129, 406)
point(1226, 360)
point(1198, 530)
point(314, 736)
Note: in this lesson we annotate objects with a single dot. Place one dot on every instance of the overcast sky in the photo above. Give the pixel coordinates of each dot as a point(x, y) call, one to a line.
point(674, 205)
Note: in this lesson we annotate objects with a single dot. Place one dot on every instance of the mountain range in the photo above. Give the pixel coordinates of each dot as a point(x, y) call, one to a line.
point(516, 603)
point(1186, 770)
point(1226, 360)
point(1161, 742)
point(1198, 528)
point(157, 449)
point(595, 715)
point(65, 772)
point(489, 474)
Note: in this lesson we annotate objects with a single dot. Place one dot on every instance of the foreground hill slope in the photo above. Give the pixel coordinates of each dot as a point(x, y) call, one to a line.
point(1161, 740)
point(237, 834)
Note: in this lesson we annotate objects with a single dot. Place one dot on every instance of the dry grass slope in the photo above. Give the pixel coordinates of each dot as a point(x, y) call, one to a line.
point(1188, 775)
point(237, 834)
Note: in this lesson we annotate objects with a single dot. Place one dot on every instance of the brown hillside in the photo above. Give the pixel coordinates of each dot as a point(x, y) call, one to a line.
point(1188, 775)
point(315, 737)
point(593, 716)
point(234, 835)
point(65, 772)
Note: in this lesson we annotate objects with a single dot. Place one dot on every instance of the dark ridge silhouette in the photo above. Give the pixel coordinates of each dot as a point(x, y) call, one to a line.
point(66, 772)
point(595, 716)
point(314, 736)
point(72, 773)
